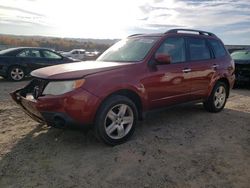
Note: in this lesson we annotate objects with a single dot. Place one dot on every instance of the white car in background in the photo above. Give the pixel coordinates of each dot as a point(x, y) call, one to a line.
point(75, 54)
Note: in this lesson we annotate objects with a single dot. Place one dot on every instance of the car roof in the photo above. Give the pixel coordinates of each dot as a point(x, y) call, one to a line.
point(147, 35)
point(180, 32)
point(14, 51)
point(38, 48)
point(78, 50)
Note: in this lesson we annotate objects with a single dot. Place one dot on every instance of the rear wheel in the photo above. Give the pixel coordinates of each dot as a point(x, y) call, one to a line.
point(116, 120)
point(217, 99)
point(16, 73)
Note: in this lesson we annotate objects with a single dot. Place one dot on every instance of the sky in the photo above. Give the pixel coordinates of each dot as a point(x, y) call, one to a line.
point(228, 19)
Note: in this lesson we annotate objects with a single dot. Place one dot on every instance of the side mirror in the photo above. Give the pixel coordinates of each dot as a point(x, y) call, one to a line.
point(163, 58)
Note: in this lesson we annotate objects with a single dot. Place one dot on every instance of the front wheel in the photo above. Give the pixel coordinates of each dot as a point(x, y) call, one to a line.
point(116, 120)
point(217, 99)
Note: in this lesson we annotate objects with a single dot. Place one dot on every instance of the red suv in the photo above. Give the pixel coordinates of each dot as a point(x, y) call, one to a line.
point(136, 75)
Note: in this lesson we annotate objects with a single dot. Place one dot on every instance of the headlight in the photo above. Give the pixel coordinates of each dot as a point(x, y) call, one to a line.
point(61, 87)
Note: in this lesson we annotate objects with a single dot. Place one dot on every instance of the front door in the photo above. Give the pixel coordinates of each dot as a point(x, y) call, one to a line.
point(169, 83)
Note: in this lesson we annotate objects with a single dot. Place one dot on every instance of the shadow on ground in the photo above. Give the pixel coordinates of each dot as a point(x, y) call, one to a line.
point(183, 146)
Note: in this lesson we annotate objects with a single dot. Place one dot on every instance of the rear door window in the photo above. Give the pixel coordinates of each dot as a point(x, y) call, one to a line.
point(29, 53)
point(198, 49)
point(218, 48)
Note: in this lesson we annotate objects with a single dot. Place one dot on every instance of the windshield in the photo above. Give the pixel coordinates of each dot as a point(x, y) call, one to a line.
point(241, 55)
point(130, 49)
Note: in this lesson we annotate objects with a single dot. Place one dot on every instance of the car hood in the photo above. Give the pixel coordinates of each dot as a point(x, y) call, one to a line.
point(65, 53)
point(75, 70)
point(71, 59)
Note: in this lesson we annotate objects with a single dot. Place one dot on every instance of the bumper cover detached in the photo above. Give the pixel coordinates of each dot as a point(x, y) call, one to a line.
point(28, 106)
point(74, 108)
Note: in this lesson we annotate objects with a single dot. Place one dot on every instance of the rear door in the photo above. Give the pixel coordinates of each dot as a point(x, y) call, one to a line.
point(201, 63)
point(31, 58)
point(169, 83)
point(82, 54)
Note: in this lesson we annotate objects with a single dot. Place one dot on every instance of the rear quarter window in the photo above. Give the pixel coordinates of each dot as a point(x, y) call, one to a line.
point(218, 48)
point(198, 49)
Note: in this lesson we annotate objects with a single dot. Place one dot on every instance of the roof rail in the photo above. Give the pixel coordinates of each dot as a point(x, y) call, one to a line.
point(191, 30)
point(135, 35)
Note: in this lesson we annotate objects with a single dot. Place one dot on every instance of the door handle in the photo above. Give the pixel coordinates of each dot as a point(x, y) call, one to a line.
point(186, 70)
point(215, 66)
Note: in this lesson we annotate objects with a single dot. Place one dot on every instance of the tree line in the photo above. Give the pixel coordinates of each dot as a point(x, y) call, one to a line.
point(62, 44)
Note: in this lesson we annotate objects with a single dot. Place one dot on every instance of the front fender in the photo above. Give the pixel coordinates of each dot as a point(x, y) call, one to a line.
point(137, 89)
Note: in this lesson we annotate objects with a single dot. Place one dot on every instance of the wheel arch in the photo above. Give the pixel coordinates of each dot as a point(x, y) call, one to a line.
point(225, 81)
point(220, 79)
point(25, 68)
point(132, 95)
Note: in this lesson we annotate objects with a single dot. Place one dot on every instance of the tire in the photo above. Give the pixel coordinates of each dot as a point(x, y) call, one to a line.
point(16, 73)
point(217, 99)
point(116, 120)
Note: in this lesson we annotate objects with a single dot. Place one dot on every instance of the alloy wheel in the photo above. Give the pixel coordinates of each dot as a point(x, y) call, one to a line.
point(119, 120)
point(219, 97)
point(17, 74)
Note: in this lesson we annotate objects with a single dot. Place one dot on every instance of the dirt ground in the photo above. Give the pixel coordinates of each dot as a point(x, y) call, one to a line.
point(183, 146)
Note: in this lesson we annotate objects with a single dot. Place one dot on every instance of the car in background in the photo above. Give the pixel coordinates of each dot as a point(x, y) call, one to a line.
point(242, 65)
point(231, 50)
point(92, 55)
point(75, 53)
point(16, 63)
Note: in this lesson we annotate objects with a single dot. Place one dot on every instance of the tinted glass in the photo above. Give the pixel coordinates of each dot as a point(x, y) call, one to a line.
point(29, 53)
point(218, 48)
point(129, 50)
point(50, 55)
point(198, 49)
point(175, 47)
point(241, 55)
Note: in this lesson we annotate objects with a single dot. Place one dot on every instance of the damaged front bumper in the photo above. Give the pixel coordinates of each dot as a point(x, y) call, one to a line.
point(77, 107)
point(28, 105)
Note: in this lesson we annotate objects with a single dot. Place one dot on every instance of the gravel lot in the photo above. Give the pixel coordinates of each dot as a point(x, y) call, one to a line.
point(183, 146)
